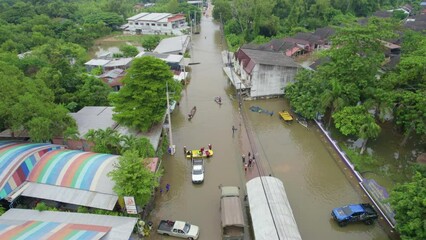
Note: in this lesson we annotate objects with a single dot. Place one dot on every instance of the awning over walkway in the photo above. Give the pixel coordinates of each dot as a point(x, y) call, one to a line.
point(33, 224)
point(270, 210)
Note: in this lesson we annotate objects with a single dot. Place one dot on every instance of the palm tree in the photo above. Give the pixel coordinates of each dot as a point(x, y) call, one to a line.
point(70, 133)
point(332, 99)
point(368, 130)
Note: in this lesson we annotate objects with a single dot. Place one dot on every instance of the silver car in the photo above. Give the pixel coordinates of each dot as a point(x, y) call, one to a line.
point(197, 170)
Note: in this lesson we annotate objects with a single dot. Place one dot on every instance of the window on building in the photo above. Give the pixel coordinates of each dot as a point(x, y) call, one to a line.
point(136, 23)
point(164, 25)
point(152, 24)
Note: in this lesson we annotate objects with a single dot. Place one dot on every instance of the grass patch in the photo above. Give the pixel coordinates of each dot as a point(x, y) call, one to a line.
point(362, 163)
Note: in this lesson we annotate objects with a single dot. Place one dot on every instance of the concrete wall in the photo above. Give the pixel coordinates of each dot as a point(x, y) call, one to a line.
point(270, 80)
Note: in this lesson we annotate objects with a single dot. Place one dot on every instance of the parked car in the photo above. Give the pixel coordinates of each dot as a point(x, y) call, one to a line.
point(363, 212)
point(178, 229)
point(197, 170)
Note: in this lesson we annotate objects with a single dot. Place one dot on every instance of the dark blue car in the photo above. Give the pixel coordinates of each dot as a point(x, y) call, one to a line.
point(363, 212)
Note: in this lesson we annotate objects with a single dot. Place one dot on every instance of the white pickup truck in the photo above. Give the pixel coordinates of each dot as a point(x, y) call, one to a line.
point(178, 229)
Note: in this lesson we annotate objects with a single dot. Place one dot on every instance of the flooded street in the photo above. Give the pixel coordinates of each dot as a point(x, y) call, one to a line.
point(298, 156)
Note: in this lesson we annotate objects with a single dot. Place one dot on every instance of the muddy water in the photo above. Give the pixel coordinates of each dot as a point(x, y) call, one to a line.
point(313, 179)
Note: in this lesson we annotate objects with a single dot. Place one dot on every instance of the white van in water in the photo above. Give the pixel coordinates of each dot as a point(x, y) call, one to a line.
point(231, 213)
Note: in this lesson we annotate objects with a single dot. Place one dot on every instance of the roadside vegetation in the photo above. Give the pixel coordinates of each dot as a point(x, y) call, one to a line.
point(350, 91)
point(43, 48)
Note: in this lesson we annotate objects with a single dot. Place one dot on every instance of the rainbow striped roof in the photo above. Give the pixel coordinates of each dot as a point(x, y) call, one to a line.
point(17, 159)
point(51, 231)
point(76, 169)
point(33, 224)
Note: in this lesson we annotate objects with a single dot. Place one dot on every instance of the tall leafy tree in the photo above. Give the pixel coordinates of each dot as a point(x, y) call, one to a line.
point(408, 202)
point(94, 92)
point(333, 97)
point(133, 178)
point(304, 94)
point(357, 121)
point(411, 113)
point(142, 101)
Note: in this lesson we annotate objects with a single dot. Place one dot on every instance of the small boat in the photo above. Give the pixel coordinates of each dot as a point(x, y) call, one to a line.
point(260, 110)
point(218, 100)
point(286, 116)
point(302, 121)
point(192, 113)
point(172, 106)
point(198, 154)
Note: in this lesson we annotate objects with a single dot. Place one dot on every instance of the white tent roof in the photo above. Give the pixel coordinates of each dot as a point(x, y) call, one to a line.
point(270, 210)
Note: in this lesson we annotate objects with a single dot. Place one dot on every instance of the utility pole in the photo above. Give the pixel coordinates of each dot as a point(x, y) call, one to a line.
point(172, 148)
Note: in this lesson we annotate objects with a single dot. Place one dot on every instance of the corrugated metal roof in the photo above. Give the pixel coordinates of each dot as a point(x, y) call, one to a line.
point(97, 62)
point(74, 177)
point(270, 210)
point(118, 62)
point(137, 16)
point(173, 44)
point(17, 159)
point(171, 58)
point(70, 195)
point(94, 118)
point(117, 227)
point(75, 169)
point(152, 17)
point(269, 58)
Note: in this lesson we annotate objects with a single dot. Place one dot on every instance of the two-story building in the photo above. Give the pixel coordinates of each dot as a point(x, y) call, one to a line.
point(156, 23)
point(264, 73)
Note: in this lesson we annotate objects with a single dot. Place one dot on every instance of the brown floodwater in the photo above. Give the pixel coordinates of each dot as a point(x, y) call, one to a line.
point(314, 181)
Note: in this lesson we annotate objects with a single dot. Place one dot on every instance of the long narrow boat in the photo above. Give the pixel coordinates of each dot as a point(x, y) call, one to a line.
point(302, 121)
point(218, 100)
point(192, 113)
point(286, 116)
point(198, 154)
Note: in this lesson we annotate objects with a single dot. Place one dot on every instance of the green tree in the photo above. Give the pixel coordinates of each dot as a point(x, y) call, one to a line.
point(150, 42)
point(71, 133)
point(133, 178)
point(333, 98)
point(304, 94)
point(408, 200)
point(356, 121)
point(411, 112)
point(94, 92)
point(129, 50)
point(105, 141)
point(142, 101)
point(222, 10)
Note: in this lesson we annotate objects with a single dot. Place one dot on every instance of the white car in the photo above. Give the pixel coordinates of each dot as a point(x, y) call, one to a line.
point(197, 171)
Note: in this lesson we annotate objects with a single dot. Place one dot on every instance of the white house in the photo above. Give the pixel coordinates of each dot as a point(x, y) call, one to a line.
point(265, 73)
point(156, 23)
